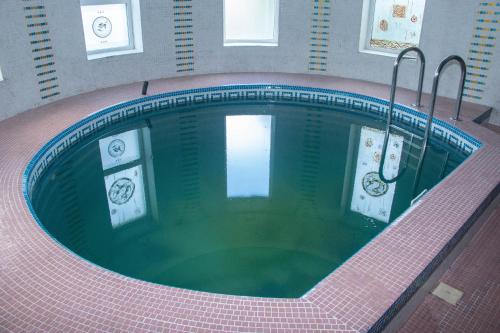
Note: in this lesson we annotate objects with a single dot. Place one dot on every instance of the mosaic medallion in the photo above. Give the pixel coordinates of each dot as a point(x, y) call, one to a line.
point(383, 25)
point(373, 185)
point(399, 11)
point(102, 27)
point(116, 148)
point(414, 18)
point(121, 191)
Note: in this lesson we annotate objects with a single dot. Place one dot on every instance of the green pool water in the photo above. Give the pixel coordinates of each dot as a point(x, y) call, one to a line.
point(256, 200)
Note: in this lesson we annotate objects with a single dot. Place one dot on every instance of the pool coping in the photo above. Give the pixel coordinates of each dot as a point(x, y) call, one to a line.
point(361, 295)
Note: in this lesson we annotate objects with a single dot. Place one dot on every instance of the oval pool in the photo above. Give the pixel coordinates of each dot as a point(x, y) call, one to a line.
point(245, 190)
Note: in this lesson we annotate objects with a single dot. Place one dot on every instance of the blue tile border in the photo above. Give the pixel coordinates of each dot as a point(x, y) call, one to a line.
point(283, 94)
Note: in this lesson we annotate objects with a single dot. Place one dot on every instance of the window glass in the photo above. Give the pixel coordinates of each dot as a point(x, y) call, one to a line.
point(106, 27)
point(250, 21)
point(396, 24)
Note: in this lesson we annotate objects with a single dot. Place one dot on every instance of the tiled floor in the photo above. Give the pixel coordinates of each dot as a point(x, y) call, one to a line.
point(44, 288)
point(494, 128)
point(476, 272)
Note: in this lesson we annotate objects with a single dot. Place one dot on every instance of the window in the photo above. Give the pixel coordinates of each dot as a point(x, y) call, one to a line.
point(248, 155)
point(1, 75)
point(251, 22)
point(389, 26)
point(111, 27)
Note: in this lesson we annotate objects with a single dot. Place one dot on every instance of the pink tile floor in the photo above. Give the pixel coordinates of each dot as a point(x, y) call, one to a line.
point(44, 288)
point(476, 272)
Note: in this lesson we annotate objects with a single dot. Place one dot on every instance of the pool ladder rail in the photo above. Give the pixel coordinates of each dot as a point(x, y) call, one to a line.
point(437, 76)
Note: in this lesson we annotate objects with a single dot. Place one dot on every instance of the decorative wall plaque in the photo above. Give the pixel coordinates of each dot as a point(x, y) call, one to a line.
point(121, 191)
point(116, 148)
point(373, 185)
point(102, 27)
point(384, 25)
point(399, 11)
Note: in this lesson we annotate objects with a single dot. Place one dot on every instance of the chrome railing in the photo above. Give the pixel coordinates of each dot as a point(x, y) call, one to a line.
point(391, 105)
point(432, 105)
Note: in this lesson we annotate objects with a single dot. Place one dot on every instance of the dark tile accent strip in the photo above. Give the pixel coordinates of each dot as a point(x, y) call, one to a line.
point(481, 49)
point(41, 48)
point(183, 35)
point(319, 39)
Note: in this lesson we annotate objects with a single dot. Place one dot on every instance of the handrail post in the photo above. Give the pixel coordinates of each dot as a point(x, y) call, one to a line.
point(432, 105)
point(392, 100)
point(463, 69)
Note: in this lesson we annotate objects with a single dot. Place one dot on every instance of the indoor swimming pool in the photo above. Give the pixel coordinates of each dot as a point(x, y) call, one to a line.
point(261, 196)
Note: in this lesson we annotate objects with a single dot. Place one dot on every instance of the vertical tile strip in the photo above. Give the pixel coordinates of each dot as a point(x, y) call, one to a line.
point(310, 168)
point(481, 48)
point(319, 39)
point(41, 48)
point(183, 36)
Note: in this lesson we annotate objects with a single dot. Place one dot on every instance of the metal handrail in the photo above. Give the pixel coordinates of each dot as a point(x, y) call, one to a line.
point(391, 105)
point(437, 76)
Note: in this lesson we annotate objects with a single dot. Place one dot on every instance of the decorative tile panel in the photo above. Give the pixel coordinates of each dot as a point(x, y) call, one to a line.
point(41, 47)
point(183, 36)
point(319, 39)
point(481, 49)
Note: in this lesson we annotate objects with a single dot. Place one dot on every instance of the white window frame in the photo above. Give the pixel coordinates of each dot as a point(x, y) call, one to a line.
point(254, 42)
point(367, 17)
point(134, 29)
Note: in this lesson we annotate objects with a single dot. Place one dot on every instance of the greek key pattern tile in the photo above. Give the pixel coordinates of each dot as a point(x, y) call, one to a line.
point(330, 100)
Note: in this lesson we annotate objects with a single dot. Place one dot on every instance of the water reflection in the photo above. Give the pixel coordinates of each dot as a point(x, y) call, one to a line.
point(372, 197)
point(248, 155)
point(126, 161)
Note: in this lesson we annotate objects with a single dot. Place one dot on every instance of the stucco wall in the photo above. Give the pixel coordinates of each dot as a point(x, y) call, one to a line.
point(448, 28)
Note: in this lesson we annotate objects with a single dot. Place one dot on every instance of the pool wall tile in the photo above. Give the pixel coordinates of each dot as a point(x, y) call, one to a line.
point(283, 94)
